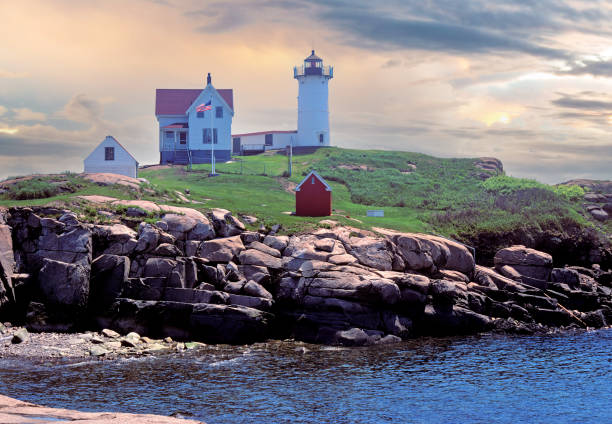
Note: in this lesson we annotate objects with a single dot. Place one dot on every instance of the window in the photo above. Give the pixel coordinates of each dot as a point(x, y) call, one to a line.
point(219, 112)
point(169, 135)
point(321, 138)
point(200, 114)
point(206, 138)
point(269, 140)
point(183, 137)
point(312, 180)
point(109, 153)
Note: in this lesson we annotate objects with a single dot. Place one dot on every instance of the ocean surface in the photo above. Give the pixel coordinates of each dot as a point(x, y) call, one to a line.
point(558, 378)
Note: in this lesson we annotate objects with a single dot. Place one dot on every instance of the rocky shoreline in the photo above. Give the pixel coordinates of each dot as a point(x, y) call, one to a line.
point(17, 342)
point(16, 411)
point(204, 278)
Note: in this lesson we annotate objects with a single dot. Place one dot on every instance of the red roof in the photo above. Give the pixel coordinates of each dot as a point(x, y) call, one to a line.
point(177, 125)
point(265, 132)
point(176, 101)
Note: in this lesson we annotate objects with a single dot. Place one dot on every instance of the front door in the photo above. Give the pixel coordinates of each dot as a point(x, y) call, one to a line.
point(236, 146)
point(168, 138)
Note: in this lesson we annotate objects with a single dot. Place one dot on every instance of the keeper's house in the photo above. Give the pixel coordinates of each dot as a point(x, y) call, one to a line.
point(112, 158)
point(186, 134)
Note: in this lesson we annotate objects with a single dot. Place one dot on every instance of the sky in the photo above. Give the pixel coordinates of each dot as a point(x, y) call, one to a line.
point(528, 82)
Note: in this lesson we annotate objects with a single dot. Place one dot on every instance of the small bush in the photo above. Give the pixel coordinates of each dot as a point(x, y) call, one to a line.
point(37, 188)
point(570, 192)
point(503, 184)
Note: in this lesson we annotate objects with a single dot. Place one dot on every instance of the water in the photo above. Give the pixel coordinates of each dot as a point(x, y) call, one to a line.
point(562, 378)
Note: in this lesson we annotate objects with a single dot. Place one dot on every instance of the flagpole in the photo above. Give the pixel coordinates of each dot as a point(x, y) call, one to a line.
point(212, 140)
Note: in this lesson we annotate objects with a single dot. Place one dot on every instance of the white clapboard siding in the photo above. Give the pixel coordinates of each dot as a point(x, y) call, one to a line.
point(123, 163)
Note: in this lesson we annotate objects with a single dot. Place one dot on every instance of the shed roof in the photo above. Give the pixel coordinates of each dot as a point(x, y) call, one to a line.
point(176, 101)
point(320, 178)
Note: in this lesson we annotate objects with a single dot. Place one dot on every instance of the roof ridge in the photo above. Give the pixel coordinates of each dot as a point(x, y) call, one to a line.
point(320, 178)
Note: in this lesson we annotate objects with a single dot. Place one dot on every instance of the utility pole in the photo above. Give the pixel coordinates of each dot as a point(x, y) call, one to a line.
point(290, 155)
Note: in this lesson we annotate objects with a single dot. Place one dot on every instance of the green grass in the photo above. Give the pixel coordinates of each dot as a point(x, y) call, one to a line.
point(417, 192)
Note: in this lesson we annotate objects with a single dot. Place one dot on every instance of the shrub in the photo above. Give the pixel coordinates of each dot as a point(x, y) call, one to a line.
point(37, 188)
point(570, 192)
point(507, 185)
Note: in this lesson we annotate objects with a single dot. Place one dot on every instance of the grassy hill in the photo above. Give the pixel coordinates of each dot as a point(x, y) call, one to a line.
point(452, 197)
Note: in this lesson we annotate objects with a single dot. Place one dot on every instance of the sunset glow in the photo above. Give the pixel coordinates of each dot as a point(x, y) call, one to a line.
point(74, 72)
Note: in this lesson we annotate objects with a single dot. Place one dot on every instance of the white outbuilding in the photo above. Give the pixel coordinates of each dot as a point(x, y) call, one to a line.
point(111, 157)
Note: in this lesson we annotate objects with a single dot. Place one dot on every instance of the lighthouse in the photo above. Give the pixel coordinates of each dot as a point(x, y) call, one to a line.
point(313, 109)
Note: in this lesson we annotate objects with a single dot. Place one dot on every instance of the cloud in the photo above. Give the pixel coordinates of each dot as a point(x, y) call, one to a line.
point(372, 29)
point(2, 110)
point(81, 108)
point(25, 114)
point(67, 145)
point(586, 106)
point(596, 68)
point(391, 63)
point(586, 100)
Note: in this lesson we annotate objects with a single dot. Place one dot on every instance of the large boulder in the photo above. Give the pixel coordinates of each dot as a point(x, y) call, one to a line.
point(7, 266)
point(264, 248)
point(7, 259)
point(372, 252)
point(109, 274)
point(64, 286)
point(276, 242)
point(221, 249)
point(422, 252)
point(229, 323)
point(527, 262)
point(599, 214)
point(449, 293)
point(171, 269)
point(440, 320)
point(148, 238)
point(167, 249)
point(259, 274)
point(191, 225)
point(73, 246)
point(489, 278)
point(225, 224)
point(116, 239)
point(344, 285)
point(303, 247)
point(259, 258)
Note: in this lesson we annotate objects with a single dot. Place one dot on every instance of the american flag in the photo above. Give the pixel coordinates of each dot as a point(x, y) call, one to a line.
point(204, 106)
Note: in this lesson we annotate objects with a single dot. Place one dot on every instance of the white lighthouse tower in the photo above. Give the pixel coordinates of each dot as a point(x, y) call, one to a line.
point(313, 109)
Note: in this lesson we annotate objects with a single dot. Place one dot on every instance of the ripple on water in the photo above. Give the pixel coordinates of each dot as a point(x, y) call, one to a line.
point(504, 379)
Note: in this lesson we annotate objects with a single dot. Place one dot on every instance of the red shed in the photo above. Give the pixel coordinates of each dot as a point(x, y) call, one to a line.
point(313, 196)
